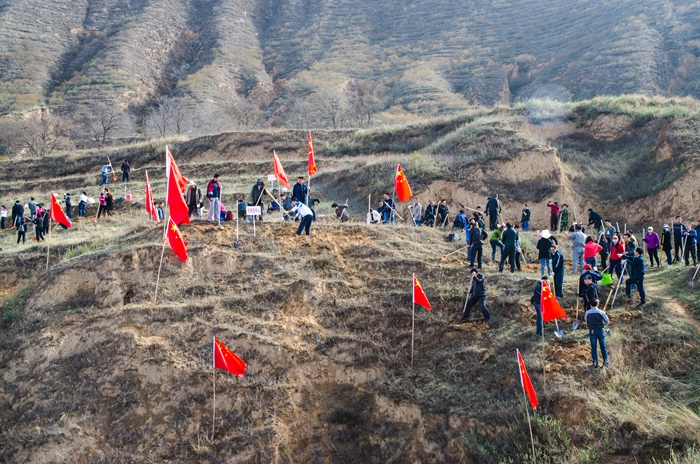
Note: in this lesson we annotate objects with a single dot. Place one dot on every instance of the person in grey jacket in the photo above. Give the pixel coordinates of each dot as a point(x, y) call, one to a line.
point(32, 209)
point(578, 241)
point(416, 212)
point(595, 321)
point(477, 294)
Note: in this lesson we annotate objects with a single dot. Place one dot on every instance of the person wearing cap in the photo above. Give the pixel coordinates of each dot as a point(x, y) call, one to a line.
point(595, 219)
point(558, 270)
point(257, 192)
point(678, 230)
point(307, 216)
point(636, 266)
point(591, 272)
point(691, 238)
point(193, 198)
point(595, 320)
point(564, 218)
point(578, 241)
point(300, 191)
point(553, 215)
point(214, 197)
point(666, 244)
point(543, 246)
point(652, 241)
point(590, 250)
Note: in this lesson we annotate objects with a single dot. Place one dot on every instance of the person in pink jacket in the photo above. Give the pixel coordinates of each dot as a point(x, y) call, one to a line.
point(590, 250)
point(653, 242)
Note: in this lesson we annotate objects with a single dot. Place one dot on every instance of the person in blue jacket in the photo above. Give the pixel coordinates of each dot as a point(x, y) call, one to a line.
point(558, 271)
point(691, 239)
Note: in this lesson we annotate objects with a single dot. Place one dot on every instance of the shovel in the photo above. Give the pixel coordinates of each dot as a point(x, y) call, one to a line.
point(692, 281)
point(575, 325)
point(558, 332)
point(237, 243)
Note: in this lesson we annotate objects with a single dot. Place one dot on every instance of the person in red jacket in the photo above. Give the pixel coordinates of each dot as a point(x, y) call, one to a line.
point(590, 250)
point(554, 217)
point(617, 250)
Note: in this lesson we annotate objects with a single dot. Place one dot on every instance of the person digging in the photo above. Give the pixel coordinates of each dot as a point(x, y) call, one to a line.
point(477, 294)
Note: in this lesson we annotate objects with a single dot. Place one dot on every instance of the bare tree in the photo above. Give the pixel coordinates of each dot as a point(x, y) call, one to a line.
point(42, 132)
point(367, 101)
point(171, 115)
point(333, 104)
point(242, 113)
point(102, 120)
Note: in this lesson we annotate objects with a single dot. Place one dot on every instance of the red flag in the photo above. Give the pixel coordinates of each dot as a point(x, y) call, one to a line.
point(172, 169)
point(419, 297)
point(224, 359)
point(312, 161)
point(57, 213)
point(403, 190)
point(174, 238)
point(174, 199)
point(525, 382)
point(150, 207)
point(549, 306)
point(279, 170)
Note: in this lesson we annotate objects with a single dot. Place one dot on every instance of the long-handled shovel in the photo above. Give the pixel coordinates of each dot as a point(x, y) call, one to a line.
point(692, 281)
point(624, 266)
point(466, 300)
point(575, 325)
point(558, 332)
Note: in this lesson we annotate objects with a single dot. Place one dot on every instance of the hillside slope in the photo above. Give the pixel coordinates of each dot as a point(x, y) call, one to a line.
point(422, 57)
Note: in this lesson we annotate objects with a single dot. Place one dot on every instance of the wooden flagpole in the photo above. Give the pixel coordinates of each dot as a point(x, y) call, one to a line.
point(544, 364)
point(213, 364)
point(165, 224)
point(413, 320)
point(527, 411)
point(48, 247)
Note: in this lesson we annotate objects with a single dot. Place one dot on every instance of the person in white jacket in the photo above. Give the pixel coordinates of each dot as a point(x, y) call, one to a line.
point(307, 216)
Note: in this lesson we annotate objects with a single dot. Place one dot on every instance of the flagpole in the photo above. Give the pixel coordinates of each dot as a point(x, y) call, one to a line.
point(544, 365)
point(308, 191)
point(413, 321)
point(532, 439)
point(165, 222)
point(213, 412)
point(48, 247)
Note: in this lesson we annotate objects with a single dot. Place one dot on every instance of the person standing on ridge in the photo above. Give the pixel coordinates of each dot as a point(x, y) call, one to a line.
point(477, 294)
point(564, 218)
point(193, 198)
point(678, 229)
point(214, 197)
point(652, 241)
point(492, 209)
point(126, 171)
point(525, 218)
point(666, 245)
point(553, 215)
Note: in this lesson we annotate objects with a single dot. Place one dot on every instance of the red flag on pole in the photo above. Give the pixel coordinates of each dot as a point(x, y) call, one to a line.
point(312, 160)
point(403, 190)
point(174, 199)
point(57, 213)
point(224, 359)
point(175, 240)
point(279, 171)
point(549, 306)
point(172, 169)
point(419, 297)
point(150, 207)
point(526, 383)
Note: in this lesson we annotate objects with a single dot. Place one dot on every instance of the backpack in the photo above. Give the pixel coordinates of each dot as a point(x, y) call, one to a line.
point(453, 238)
point(229, 216)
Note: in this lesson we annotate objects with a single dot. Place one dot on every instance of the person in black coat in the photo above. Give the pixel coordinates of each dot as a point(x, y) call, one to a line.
point(678, 231)
point(595, 219)
point(477, 235)
point(589, 292)
point(543, 246)
point(126, 171)
point(69, 205)
point(492, 209)
point(666, 244)
point(301, 191)
point(39, 228)
point(21, 230)
point(17, 213)
point(636, 266)
point(477, 294)
point(558, 271)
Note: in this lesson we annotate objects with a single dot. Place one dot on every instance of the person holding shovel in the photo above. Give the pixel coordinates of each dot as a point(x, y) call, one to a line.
point(388, 214)
point(535, 300)
point(558, 271)
point(442, 212)
point(307, 216)
point(257, 193)
point(691, 238)
point(595, 320)
point(666, 245)
point(106, 169)
point(636, 265)
point(589, 292)
point(477, 294)
point(678, 229)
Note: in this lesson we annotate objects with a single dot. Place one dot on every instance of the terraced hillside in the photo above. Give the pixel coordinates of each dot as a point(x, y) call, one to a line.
point(289, 59)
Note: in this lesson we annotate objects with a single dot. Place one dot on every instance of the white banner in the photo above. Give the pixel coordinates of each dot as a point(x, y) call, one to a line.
point(253, 210)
